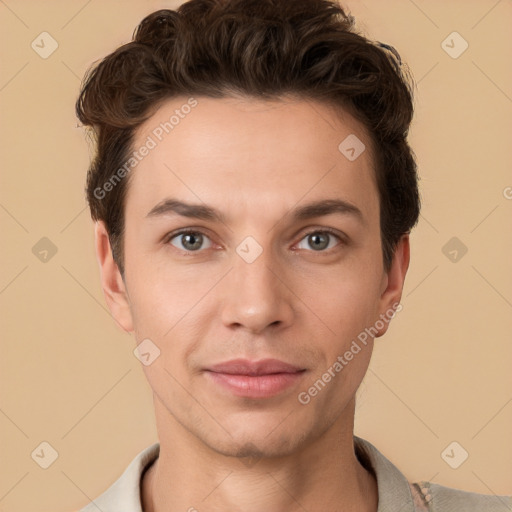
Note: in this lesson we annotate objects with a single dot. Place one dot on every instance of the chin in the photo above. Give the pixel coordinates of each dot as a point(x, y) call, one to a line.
point(254, 449)
point(259, 441)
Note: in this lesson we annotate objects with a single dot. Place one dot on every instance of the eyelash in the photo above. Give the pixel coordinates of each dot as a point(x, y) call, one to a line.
point(186, 231)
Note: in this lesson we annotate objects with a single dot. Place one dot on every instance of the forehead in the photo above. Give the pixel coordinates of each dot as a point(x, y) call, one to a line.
point(266, 152)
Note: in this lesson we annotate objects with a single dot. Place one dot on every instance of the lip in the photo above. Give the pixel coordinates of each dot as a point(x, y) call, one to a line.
point(255, 379)
point(254, 368)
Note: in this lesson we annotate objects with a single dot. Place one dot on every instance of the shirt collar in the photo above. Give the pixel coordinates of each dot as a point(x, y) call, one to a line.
point(393, 488)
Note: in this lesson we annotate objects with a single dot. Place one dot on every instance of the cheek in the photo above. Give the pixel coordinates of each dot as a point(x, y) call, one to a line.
point(343, 309)
point(165, 299)
point(163, 311)
point(343, 301)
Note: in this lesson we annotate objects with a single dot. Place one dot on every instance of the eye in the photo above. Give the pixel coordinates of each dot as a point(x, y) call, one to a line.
point(189, 241)
point(320, 240)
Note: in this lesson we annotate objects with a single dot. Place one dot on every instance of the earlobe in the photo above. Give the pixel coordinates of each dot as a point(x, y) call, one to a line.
point(112, 282)
point(394, 282)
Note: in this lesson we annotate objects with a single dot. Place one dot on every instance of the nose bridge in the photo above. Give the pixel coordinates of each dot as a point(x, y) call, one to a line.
point(255, 296)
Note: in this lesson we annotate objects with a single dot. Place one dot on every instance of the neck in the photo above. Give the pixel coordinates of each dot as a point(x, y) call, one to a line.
point(324, 475)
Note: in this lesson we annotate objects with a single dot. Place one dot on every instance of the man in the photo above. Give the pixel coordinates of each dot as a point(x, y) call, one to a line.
point(253, 192)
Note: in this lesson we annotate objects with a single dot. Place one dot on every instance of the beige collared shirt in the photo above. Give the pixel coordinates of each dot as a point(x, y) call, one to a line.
point(396, 494)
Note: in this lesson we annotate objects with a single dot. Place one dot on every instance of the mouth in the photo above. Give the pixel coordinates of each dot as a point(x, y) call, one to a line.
point(254, 379)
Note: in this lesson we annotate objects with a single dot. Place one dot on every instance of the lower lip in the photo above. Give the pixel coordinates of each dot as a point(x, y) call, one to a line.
point(262, 386)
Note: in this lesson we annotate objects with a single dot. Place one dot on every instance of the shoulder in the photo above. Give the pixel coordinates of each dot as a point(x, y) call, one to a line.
point(439, 498)
point(124, 493)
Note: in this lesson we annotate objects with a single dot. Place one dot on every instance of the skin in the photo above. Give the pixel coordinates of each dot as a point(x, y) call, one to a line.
point(254, 161)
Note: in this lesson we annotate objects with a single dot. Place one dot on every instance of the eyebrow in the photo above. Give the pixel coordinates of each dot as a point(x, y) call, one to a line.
point(310, 210)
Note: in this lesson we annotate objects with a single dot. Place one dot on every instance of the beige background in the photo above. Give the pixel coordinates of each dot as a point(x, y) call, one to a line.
point(441, 374)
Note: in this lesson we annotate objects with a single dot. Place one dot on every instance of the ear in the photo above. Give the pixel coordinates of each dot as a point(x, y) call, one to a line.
point(393, 283)
point(112, 282)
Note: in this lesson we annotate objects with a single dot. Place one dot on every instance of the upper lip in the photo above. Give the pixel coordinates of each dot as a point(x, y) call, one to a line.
point(254, 368)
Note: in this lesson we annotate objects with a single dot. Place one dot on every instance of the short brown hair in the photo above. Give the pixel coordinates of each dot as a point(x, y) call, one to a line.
point(263, 49)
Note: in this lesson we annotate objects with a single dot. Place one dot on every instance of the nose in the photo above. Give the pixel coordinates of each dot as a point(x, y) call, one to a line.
point(256, 296)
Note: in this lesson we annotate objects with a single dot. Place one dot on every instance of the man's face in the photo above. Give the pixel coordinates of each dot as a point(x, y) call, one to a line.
point(261, 282)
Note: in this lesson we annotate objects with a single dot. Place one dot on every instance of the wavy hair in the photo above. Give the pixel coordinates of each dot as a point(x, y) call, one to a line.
point(263, 49)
